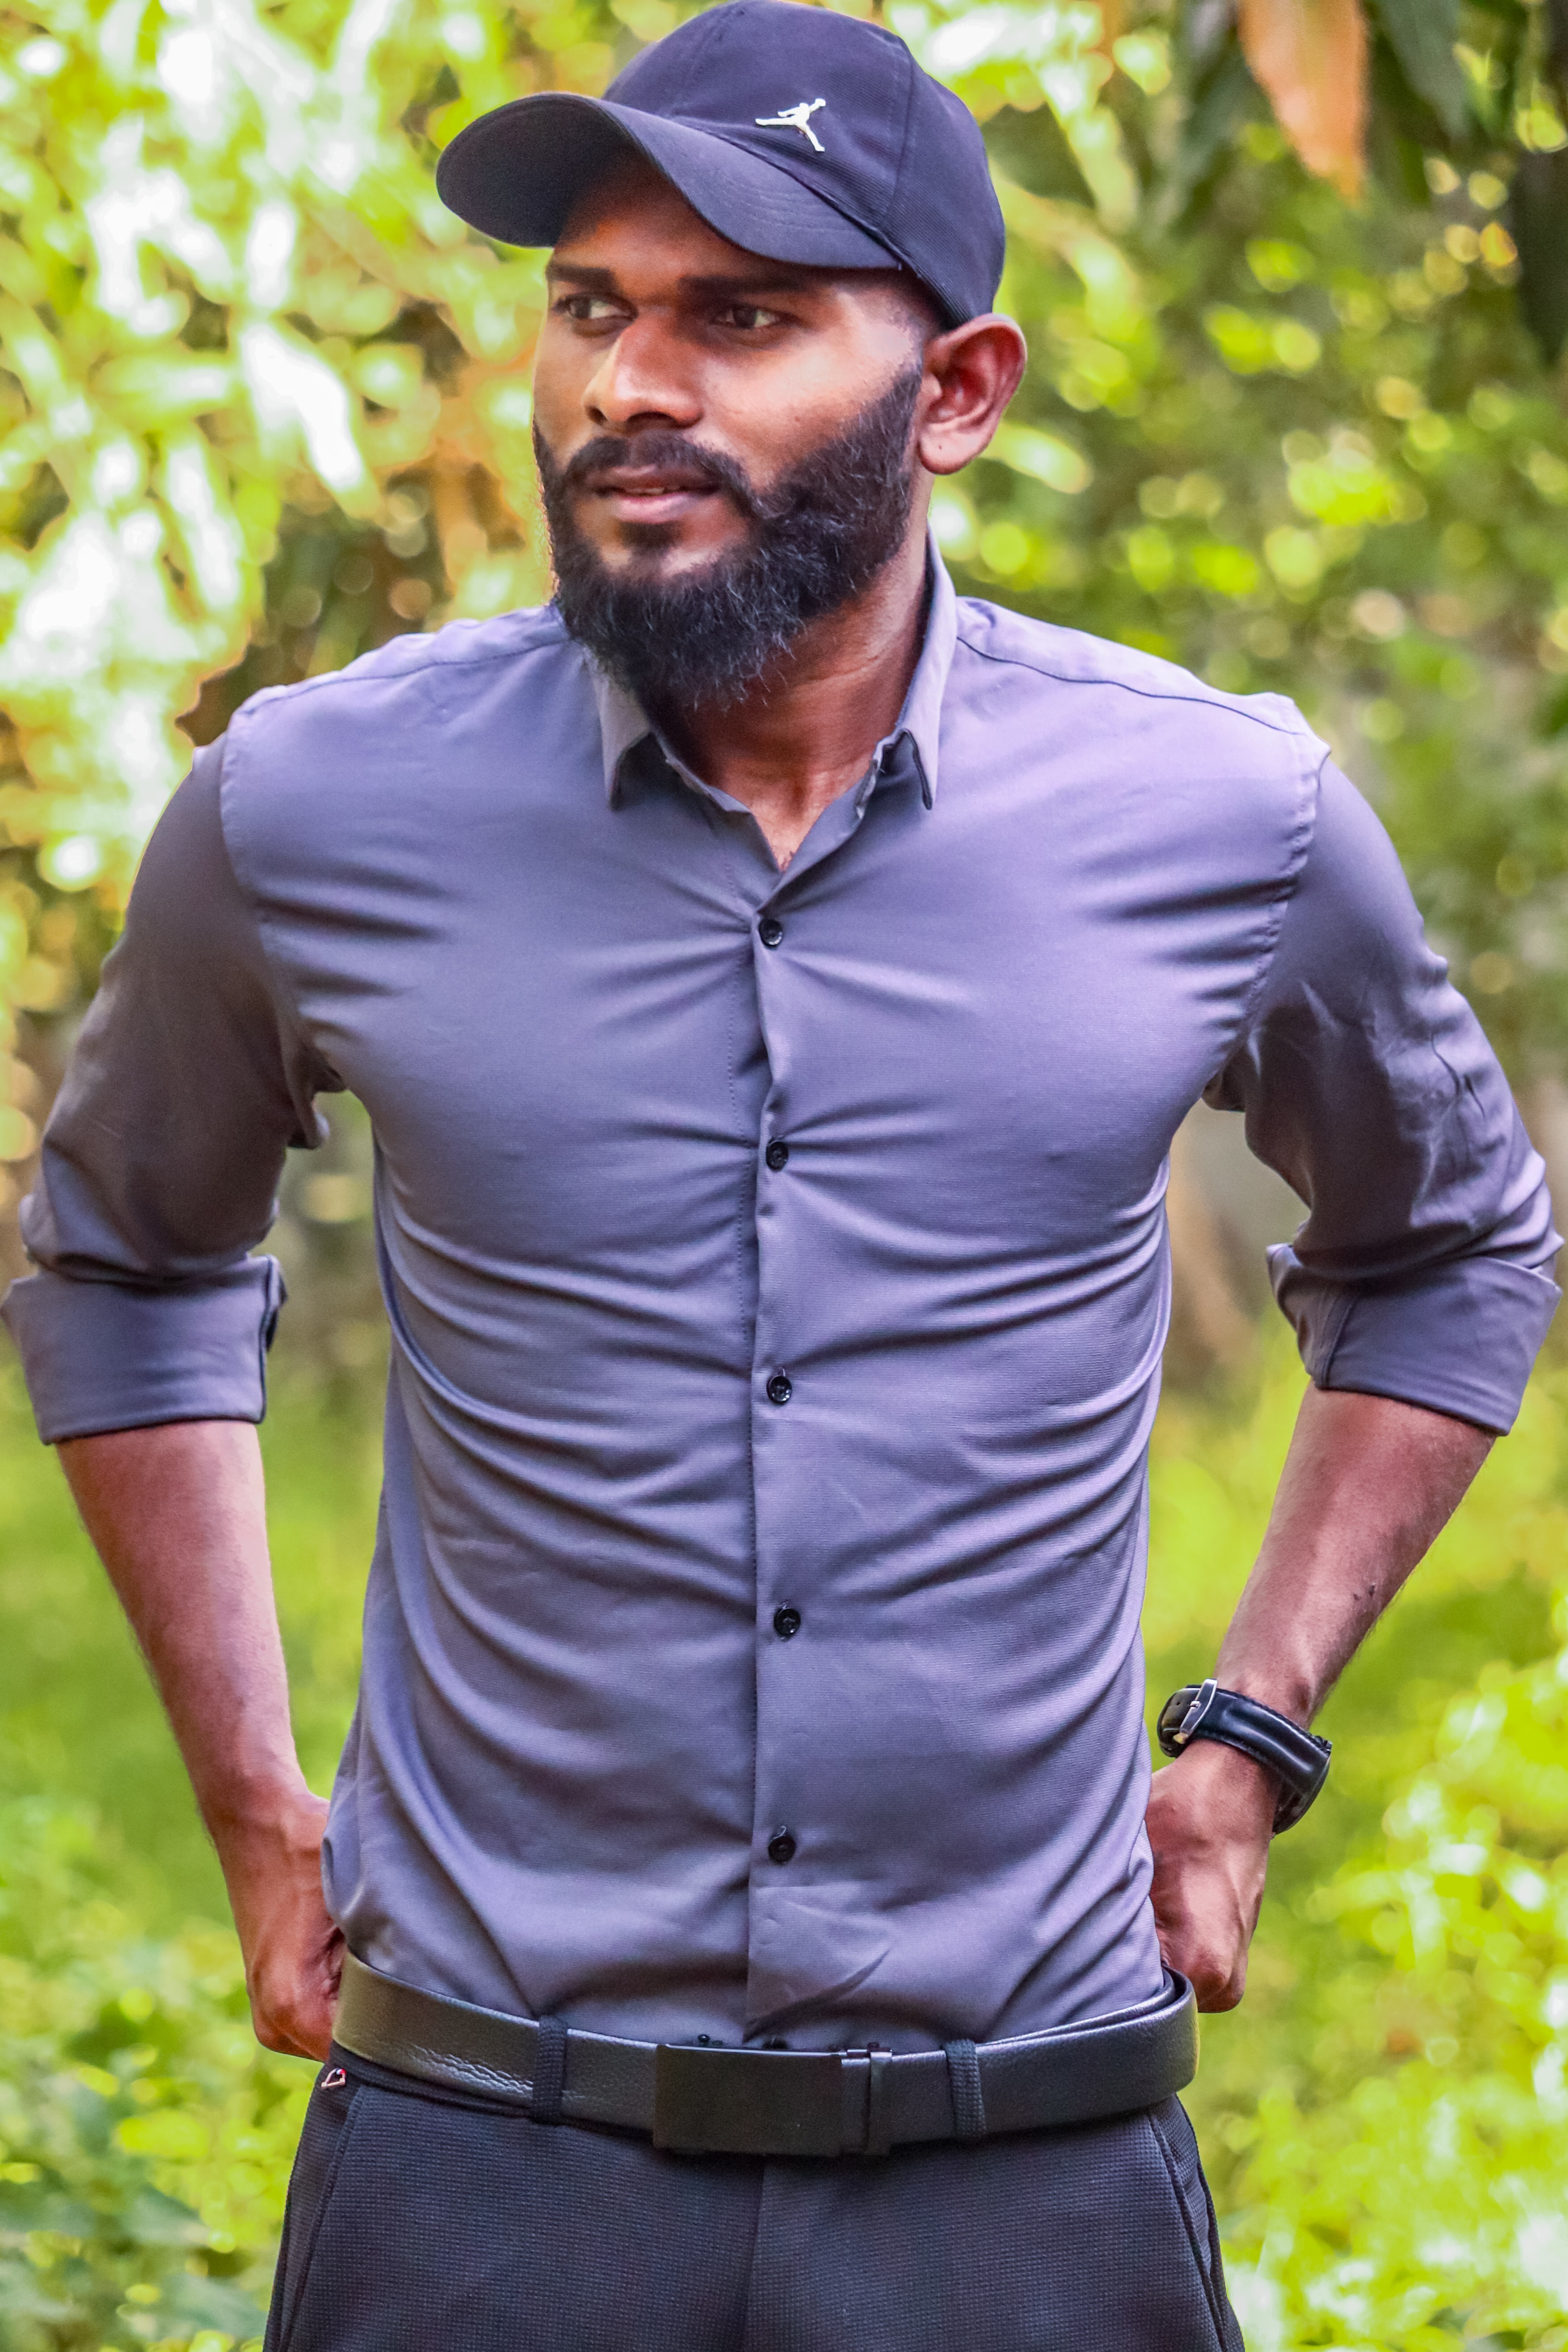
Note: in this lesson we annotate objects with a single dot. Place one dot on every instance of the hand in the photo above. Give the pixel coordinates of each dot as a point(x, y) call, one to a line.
point(1211, 1814)
point(293, 1951)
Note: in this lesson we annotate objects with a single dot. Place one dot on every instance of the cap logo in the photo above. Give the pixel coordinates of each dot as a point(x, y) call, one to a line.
point(795, 118)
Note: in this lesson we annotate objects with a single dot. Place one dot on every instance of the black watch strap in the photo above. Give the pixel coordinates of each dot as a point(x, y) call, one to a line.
point(1298, 1760)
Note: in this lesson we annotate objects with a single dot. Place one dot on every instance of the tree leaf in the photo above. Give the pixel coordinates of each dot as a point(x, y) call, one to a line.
point(1422, 34)
point(1310, 56)
point(1225, 99)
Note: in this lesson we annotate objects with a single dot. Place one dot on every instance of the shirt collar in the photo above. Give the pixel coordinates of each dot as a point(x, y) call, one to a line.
point(624, 724)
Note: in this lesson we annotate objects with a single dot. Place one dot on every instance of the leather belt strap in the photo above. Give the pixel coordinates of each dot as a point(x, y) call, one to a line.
point(698, 2099)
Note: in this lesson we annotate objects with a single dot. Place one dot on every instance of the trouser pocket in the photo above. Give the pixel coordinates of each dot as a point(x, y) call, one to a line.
point(1178, 2146)
point(323, 2145)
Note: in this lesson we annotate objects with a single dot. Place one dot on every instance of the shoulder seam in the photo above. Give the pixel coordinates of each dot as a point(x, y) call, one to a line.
point(352, 675)
point(1235, 709)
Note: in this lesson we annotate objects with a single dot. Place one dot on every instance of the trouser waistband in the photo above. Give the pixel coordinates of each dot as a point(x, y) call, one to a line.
point(699, 2100)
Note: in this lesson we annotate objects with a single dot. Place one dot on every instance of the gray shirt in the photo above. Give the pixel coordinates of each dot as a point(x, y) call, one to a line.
point(777, 1273)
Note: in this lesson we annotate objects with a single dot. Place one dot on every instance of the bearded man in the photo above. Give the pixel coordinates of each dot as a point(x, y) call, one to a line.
point(741, 1922)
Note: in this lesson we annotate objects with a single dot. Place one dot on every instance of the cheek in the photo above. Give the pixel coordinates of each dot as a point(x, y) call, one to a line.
point(558, 377)
point(771, 416)
point(771, 427)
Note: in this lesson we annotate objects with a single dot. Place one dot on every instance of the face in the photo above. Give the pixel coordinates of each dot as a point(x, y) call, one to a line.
point(727, 369)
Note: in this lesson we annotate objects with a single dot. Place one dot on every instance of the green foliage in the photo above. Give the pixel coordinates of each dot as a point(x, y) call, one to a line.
point(144, 2139)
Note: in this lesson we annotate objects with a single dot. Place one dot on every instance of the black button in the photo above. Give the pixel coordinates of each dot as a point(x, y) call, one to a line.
point(787, 1623)
point(780, 1389)
point(777, 1155)
point(770, 930)
point(781, 1846)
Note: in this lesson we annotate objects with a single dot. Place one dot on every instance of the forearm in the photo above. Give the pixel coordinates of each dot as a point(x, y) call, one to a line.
point(1368, 1485)
point(178, 1516)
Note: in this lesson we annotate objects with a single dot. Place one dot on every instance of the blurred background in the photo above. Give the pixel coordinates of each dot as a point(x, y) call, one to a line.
point(1295, 278)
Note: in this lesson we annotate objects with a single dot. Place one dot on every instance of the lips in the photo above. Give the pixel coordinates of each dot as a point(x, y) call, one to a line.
point(639, 482)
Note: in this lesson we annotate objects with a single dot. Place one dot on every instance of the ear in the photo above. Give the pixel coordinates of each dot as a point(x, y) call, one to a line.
point(976, 370)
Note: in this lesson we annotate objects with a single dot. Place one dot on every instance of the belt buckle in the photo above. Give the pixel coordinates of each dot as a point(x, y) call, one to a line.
point(747, 2102)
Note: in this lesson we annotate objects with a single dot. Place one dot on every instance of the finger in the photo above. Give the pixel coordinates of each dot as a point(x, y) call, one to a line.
point(1220, 1982)
point(294, 2037)
point(295, 2017)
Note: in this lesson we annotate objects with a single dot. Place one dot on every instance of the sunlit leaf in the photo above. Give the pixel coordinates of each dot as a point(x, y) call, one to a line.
point(1043, 457)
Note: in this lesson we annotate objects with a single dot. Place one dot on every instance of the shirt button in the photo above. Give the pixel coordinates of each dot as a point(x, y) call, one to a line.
point(786, 1622)
point(770, 930)
point(777, 1155)
point(779, 1388)
point(781, 1847)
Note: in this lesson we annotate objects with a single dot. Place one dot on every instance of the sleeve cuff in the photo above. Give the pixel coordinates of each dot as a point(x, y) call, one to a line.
point(101, 1356)
point(1460, 1339)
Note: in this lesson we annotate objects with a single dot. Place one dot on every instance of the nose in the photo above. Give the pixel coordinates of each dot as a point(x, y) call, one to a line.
point(643, 380)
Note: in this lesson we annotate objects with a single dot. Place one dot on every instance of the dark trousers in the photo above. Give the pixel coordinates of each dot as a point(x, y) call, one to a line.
point(425, 2222)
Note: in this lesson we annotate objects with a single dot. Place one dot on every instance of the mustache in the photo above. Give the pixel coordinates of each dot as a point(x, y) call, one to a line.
point(715, 470)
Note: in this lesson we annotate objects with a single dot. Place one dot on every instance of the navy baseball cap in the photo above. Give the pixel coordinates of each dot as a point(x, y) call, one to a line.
point(797, 133)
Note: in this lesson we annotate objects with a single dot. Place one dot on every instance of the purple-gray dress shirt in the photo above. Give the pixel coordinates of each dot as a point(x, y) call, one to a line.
point(777, 1273)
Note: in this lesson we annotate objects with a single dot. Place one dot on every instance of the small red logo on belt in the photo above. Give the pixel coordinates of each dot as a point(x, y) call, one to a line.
point(333, 2081)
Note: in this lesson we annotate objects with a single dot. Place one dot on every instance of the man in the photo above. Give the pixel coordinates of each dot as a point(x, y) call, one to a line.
point(775, 986)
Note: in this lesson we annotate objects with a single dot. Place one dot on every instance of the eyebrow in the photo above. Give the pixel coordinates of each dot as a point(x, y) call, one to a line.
point(719, 286)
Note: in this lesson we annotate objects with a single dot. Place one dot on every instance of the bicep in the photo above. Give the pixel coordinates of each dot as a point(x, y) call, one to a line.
point(189, 1081)
point(1366, 1080)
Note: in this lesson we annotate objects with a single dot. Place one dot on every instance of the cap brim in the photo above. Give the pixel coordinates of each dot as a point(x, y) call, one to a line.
point(517, 175)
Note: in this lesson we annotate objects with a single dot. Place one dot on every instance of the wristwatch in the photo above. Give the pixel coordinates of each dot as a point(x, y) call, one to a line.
point(1298, 1760)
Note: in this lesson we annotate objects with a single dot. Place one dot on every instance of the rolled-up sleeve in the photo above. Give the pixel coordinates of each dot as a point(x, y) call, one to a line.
point(1423, 1268)
point(160, 1159)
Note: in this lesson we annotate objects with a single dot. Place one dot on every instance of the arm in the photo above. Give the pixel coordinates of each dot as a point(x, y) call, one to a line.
point(143, 1331)
point(1420, 1289)
point(178, 1518)
point(1367, 1486)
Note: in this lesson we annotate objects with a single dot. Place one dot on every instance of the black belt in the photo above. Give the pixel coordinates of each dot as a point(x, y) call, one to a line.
point(699, 2099)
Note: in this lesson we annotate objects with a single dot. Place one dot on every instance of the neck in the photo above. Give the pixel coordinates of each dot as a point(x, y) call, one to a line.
point(806, 732)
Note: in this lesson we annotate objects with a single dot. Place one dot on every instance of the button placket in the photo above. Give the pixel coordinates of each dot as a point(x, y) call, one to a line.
point(777, 1841)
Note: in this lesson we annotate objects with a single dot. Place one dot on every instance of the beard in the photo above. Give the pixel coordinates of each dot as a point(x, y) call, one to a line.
point(818, 536)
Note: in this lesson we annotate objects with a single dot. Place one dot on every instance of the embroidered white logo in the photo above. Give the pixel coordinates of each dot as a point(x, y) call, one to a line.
point(333, 2081)
point(795, 118)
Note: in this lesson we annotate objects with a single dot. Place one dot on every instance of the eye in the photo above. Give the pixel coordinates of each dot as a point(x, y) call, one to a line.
point(589, 309)
point(750, 318)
